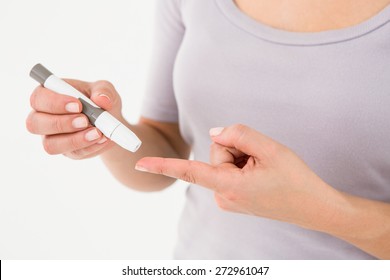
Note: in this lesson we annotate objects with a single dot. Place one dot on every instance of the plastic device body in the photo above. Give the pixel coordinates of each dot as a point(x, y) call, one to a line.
point(104, 121)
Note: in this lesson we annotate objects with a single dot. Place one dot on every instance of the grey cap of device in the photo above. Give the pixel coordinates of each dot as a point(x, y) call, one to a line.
point(40, 73)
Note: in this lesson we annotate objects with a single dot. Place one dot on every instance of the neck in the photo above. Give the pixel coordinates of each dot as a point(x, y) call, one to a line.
point(311, 15)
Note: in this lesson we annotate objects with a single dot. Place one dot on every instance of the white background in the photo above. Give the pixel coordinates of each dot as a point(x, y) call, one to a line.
point(52, 207)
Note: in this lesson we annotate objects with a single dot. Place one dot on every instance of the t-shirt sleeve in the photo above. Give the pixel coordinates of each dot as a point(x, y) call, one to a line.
point(159, 102)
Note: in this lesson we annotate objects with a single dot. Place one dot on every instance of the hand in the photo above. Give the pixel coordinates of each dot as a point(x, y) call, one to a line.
point(253, 174)
point(64, 128)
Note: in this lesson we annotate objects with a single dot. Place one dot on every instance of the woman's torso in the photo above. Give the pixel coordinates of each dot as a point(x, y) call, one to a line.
point(326, 95)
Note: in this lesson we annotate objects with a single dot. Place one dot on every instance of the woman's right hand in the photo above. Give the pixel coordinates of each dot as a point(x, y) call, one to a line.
point(64, 128)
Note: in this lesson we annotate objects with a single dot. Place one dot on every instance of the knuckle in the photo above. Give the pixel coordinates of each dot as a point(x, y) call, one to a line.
point(241, 131)
point(240, 128)
point(58, 126)
point(188, 177)
point(74, 143)
point(52, 106)
point(188, 174)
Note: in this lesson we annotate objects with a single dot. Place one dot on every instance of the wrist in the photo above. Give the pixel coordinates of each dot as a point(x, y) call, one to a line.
point(351, 218)
point(322, 210)
point(359, 219)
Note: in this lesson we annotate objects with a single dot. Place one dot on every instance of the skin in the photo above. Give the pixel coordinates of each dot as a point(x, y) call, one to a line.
point(249, 172)
point(252, 174)
point(311, 15)
point(51, 119)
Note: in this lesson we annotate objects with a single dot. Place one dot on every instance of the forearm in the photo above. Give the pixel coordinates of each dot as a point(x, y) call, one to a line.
point(362, 222)
point(121, 162)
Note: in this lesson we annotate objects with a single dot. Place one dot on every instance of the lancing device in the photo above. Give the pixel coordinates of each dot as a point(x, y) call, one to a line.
point(104, 121)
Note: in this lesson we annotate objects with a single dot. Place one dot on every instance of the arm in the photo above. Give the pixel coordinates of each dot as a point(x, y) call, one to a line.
point(66, 131)
point(161, 139)
point(362, 222)
point(253, 174)
point(54, 116)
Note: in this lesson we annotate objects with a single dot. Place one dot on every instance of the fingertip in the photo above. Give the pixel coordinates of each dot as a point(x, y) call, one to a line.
point(73, 106)
point(103, 101)
point(215, 131)
point(142, 164)
point(92, 135)
point(140, 168)
point(105, 96)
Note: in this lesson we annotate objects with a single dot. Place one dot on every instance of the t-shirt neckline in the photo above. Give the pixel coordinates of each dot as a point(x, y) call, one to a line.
point(279, 36)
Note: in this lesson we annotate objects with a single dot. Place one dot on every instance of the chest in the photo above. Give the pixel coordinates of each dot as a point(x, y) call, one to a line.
point(224, 75)
point(309, 15)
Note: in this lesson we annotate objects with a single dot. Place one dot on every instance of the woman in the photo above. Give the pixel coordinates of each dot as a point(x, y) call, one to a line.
point(306, 177)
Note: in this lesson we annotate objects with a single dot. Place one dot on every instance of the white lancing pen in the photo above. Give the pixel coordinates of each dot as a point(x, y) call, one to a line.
point(104, 121)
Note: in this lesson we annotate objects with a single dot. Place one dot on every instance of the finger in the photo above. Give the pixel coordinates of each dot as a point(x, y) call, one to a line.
point(244, 139)
point(47, 101)
point(103, 93)
point(224, 155)
point(194, 172)
point(65, 143)
point(47, 124)
point(90, 151)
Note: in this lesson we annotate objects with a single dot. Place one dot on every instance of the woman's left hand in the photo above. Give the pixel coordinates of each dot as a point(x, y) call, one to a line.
point(253, 174)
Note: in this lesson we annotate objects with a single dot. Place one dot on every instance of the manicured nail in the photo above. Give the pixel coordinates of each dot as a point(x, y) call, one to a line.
point(215, 131)
point(141, 168)
point(101, 141)
point(80, 122)
point(72, 107)
point(92, 135)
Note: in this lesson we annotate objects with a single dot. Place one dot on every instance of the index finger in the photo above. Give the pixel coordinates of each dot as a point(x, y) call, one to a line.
point(191, 171)
point(47, 101)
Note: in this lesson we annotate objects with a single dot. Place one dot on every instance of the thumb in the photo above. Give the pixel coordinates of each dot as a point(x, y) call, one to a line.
point(104, 94)
point(242, 138)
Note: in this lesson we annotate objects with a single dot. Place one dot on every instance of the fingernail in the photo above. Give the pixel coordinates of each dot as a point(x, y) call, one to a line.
point(141, 168)
point(106, 96)
point(101, 141)
point(215, 131)
point(72, 107)
point(92, 135)
point(80, 122)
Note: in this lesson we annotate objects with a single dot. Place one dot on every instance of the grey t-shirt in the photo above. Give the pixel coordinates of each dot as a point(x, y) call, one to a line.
point(325, 95)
